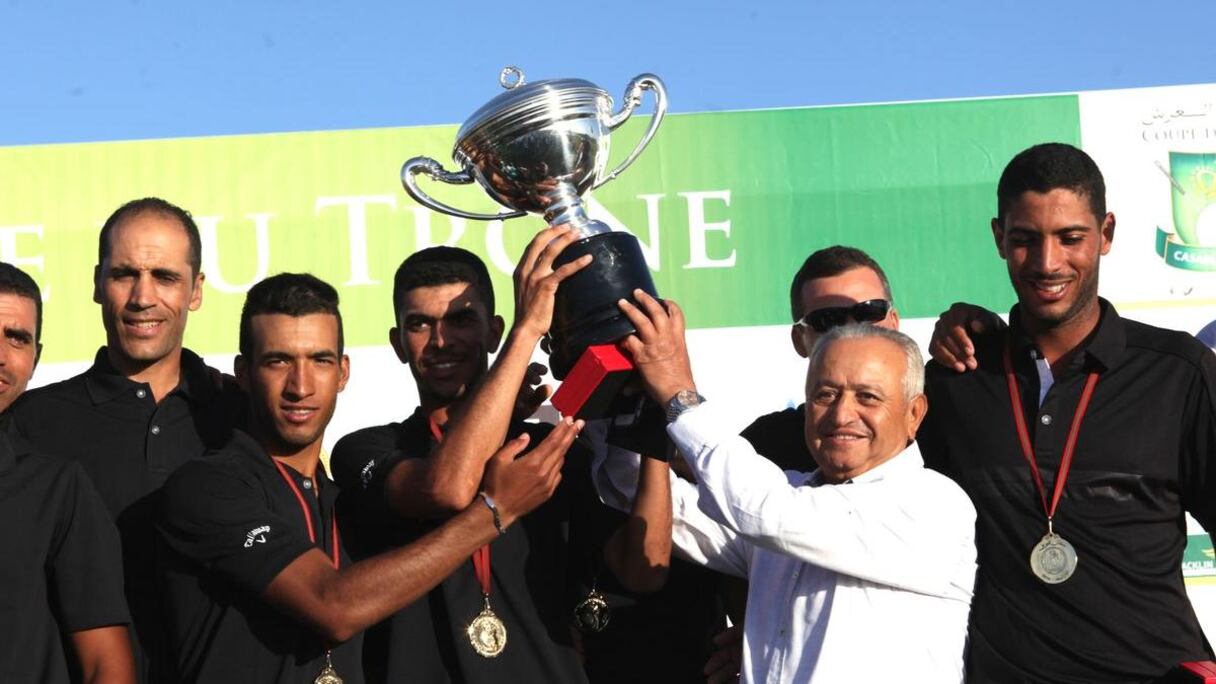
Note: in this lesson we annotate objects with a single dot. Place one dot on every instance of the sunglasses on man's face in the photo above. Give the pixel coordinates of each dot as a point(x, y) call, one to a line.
point(869, 311)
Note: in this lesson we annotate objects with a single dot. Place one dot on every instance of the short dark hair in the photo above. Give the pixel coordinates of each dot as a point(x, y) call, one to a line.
point(294, 294)
point(17, 282)
point(828, 262)
point(153, 205)
point(1047, 167)
point(441, 266)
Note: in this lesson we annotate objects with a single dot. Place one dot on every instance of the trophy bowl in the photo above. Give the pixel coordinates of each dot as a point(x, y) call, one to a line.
point(538, 148)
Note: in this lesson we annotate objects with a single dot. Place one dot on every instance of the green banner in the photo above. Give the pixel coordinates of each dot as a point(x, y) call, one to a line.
point(727, 205)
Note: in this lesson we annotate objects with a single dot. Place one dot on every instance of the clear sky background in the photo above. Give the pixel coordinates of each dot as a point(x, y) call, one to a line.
point(85, 71)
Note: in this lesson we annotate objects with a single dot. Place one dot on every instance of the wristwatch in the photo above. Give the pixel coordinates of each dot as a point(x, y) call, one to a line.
point(681, 402)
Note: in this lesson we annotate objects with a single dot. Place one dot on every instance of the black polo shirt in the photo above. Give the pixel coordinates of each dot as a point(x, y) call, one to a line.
point(129, 445)
point(781, 438)
point(534, 590)
point(61, 570)
point(1146, 452)
point(660, 638)
point(232, 524)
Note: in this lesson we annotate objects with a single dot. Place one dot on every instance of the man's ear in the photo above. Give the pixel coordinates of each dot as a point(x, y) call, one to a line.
point(37, 355)
point(196, 296)
point(799, 341)
point(1107, 232)
point(998, 234)
point(240, 369)
point(344, 372)
point(394, 339)
point(97, 284)
point(917, 409)
point(497, 326)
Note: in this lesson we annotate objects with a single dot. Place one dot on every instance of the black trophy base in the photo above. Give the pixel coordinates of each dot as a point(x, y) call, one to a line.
point(585, 312)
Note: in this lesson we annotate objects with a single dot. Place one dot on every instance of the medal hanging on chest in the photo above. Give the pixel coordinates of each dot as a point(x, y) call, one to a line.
point(1053, 560)
point(592, 613)
point(487, 633)
point(327, 675)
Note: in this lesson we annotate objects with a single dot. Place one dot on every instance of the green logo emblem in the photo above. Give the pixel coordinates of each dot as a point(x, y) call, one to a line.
point(1193, 192)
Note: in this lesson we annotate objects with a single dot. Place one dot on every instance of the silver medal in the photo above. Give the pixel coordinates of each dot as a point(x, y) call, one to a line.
point(1053, 559)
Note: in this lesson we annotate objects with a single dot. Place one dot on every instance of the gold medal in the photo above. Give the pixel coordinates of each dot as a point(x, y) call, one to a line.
point(328, 674)
point(592, 613)
point(487, 633)
point(1053, 559)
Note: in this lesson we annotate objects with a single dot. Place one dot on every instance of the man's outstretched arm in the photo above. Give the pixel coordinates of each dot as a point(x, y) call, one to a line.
point(338, 604)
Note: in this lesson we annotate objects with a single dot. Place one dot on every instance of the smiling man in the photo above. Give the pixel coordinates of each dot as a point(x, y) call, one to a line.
point(146, 406)
point(868, 558)
point(1082, 437)
point(834, 286)
point(259, 582)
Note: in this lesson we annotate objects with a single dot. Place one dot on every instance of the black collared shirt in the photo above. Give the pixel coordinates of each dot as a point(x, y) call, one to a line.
point(60, 571)
point(534, 590)
point(232, 524)
point(129, 445)
point(1146, 452)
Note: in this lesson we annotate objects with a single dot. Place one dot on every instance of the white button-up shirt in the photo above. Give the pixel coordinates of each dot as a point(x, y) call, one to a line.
point(869, 581)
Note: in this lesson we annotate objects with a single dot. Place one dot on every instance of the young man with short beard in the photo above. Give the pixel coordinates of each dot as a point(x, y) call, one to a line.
point(1083, 438)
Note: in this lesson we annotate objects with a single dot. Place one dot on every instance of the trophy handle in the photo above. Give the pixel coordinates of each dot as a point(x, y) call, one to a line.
point(435, 171)
point(633, 98)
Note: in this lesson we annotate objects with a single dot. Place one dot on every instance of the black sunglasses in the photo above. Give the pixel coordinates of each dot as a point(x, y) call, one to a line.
point(869, 311)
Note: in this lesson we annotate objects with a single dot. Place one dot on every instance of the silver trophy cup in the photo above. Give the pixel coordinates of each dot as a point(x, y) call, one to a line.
point(537, 149)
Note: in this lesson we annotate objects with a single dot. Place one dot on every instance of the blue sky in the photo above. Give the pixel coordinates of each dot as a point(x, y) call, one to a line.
point(83, 71)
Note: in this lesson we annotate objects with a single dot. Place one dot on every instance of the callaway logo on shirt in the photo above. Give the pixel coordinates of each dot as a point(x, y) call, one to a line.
point(257, 534)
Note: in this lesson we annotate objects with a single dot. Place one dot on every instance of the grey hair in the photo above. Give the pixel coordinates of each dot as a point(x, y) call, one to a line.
point(914, 374)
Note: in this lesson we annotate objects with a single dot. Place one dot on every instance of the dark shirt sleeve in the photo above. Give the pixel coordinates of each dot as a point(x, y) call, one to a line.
point(360, 465)
point(86, 559)
point(1198, 461)
point(362, 459)
point(219, 518)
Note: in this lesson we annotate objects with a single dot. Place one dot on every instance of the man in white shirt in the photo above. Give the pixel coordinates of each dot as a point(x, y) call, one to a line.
point(861, 570)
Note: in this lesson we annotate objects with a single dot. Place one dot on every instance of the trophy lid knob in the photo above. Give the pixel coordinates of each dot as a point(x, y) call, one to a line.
point(511, 77)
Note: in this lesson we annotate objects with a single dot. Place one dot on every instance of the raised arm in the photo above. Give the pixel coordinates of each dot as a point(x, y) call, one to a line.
point(448, 480)
point(870, 531)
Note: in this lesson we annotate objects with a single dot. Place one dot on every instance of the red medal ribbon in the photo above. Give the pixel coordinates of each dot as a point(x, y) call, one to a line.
point(1070, 445)
point(481, 557)
point(312, 535)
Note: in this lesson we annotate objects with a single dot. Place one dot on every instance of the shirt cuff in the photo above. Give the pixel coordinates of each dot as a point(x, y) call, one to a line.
point(698, 427)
